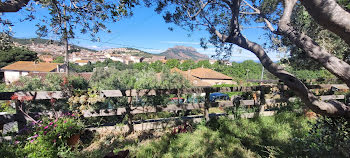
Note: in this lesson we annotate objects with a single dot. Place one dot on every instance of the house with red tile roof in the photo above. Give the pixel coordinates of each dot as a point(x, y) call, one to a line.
point(203, 77)
point(15, 70)
point(81, 62)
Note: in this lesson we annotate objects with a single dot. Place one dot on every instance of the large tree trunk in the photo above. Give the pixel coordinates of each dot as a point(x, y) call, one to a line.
point(334, 108)
point(333, 64)
point(12, 5)
point(331, 16)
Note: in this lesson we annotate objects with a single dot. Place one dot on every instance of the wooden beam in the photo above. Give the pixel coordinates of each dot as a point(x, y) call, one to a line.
point(6, 118)
point(163, 123)
point(42, 95)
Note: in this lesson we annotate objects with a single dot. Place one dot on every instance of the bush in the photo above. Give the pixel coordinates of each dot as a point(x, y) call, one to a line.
point(329, 137)
point(49, 138)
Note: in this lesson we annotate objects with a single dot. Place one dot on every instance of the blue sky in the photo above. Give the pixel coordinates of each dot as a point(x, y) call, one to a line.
point(145, 30)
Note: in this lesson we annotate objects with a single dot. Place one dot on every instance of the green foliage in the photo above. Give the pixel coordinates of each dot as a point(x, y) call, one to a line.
point(141, 66)
point(310, 74)
point(157, 66)
point(187, 64)
point(50, 137)
point(27, 83)
point(83, 100)
point(59, 59)
point(3, 87)
point(107, 63)
point(52, 82)
point(16, 54)
point(77, 82)
point(259, 137)
point(84, 68)
point(85, 16)
point(10, 150)
point(204, 64)
point(172, 63)
point(104, 79)
point(172, 81)
point(134, 79)
point(5, 106)
point(5, 42)
point(329, 137)
point(303, 22)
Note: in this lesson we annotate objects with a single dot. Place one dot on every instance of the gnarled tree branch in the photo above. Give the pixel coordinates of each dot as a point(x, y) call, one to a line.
point(12, 5)
point(333, 64)
point(331, 16)
point(333, 108)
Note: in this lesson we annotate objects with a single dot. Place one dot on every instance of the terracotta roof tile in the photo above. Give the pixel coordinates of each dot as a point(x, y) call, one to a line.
point(31, 66)
point(82, 61)
point(193, 80)
point(204, 73)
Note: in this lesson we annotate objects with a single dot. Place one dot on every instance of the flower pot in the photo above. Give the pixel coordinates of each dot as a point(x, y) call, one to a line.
point(73, 140)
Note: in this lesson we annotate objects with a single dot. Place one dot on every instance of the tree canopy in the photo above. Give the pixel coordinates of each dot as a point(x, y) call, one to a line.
point(224, 20)
point(16, 54)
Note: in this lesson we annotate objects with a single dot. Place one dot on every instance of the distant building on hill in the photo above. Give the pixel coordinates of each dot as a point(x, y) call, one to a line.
point(163, 59)
point(46, 58)
point(82, 62)
point(14, 71)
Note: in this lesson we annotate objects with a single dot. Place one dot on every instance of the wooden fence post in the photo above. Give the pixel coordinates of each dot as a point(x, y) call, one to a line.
point(206, 104)
point(21, 120)
point(128, 110)
point(262, 100)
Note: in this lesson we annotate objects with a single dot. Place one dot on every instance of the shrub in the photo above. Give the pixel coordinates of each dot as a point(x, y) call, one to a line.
point(49, 138)
point(329, 137)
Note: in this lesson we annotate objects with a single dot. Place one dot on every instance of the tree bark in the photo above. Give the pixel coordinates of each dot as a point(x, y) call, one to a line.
point(331, 16)
point(12, 5)
point(333, 64)
point(333, 108)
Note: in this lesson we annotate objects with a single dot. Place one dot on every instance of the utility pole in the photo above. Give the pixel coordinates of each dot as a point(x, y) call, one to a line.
point(262, 74)
point(247, 75)
point(65, 40)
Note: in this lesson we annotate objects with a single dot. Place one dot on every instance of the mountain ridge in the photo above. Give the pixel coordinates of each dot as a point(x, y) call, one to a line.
point(28, 41)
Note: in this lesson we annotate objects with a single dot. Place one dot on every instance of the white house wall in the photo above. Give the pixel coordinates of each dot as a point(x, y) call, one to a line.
point(11, 76)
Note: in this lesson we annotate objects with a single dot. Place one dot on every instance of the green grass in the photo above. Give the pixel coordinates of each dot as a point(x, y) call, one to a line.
point(259, 137)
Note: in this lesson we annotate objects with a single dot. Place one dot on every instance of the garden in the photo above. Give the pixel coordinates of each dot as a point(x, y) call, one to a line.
point(66, 132)
point(286, 134)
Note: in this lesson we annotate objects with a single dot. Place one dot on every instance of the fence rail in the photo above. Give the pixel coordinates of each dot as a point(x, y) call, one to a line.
point(44, 95)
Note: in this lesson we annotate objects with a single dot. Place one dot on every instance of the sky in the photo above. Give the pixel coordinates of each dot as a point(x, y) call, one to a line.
point(145, 30)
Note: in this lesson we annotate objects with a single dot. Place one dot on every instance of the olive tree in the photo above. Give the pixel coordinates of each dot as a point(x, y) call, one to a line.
point(66, 18)
point(224, 19)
